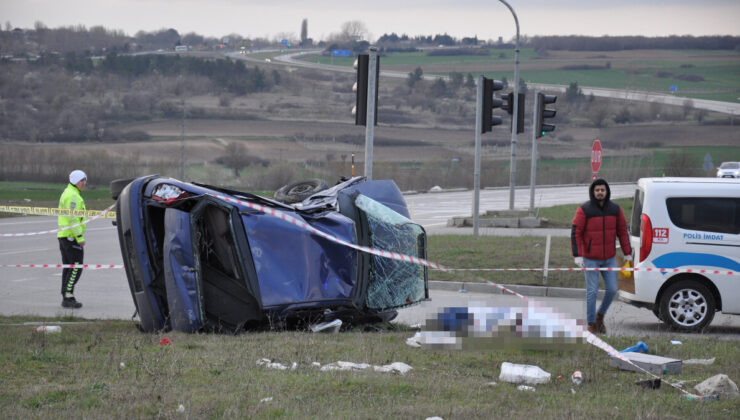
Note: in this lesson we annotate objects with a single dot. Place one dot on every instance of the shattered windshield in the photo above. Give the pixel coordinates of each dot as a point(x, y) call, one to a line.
point(393, 283)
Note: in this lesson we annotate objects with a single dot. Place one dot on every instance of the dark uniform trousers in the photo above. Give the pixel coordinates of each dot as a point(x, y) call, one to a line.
point(72, 253)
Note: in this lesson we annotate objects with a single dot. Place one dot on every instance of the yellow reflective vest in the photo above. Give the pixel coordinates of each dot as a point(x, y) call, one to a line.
point(71, 200)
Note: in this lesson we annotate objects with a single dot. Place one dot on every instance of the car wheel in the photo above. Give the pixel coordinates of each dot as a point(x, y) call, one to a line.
point(687, 305)
point(117, 185)
point(299, 191)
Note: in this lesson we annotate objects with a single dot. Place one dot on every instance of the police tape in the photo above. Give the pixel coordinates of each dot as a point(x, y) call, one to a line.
point(98, 214)
point(590, 338)
point(88, 266)
point(48, 211)
point(621, 269)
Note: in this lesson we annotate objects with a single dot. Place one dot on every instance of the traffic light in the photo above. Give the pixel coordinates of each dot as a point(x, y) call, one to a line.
point(490, 102)
point(509, 107)
point(542, 113)
point(362, 65)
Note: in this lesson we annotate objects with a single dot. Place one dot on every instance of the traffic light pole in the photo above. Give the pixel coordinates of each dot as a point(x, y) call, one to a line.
point(512, 172)
point(476, 170)
point(370, 124)
point(533, 166)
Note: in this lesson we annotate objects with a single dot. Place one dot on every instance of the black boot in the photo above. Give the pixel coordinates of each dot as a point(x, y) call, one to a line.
point(71, 302)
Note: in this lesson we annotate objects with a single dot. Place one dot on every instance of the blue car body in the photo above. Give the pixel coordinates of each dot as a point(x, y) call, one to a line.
point(198, 262)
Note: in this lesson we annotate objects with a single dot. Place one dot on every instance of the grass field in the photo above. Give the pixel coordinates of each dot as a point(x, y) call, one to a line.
point(108, 369)
point(617, 70)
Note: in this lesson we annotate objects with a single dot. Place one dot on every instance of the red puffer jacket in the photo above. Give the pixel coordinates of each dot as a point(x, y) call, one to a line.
point(595, 229)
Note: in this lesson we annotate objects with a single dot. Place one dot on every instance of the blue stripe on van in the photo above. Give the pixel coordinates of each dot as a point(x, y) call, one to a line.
point(682, 259)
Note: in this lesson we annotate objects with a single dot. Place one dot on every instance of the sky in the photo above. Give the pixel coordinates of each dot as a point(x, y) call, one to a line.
point(486, 19)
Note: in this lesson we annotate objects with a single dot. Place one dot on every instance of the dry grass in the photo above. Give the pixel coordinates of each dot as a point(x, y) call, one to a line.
point(110, 370)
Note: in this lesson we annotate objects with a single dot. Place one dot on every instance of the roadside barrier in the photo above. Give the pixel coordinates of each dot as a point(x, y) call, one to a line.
point(49, 211)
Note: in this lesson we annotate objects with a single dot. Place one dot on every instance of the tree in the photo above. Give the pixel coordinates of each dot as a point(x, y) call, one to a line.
point(304, 32)
point(438, 88)
point(353, 31)
point(456, 80)
point(598, 115)
point(573, 93)
point(236, 157)
point(415, 76)
point(469, 81)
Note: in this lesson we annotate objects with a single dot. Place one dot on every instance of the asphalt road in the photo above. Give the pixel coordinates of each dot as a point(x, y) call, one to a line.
point(105, 293)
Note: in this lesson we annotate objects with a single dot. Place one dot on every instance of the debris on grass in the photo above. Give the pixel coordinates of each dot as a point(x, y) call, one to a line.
point(649, 383)
point(528, 374)
point(328, 327)
point(705, 362)
point(526, 388)
point(275, 365)
point(720, 385)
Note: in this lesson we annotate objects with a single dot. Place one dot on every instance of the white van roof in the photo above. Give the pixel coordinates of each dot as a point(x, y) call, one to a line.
point(687, 180)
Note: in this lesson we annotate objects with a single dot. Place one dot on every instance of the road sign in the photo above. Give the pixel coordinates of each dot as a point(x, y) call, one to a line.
point(340, 53)
point(596, 152)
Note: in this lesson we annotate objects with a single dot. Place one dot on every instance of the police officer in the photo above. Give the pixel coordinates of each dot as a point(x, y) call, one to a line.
point(72, 239)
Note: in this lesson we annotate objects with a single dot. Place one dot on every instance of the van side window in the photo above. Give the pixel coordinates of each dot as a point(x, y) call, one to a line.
point(720, 215)
point(637, 212)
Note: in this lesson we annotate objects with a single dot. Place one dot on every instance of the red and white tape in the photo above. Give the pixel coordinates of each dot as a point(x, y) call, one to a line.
point(590, 338)
point(88, 266)
point(647, 269)
point(5, 235)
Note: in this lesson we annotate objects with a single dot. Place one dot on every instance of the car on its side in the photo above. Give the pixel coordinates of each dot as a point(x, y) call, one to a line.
point(729, 170)
point(205, 258)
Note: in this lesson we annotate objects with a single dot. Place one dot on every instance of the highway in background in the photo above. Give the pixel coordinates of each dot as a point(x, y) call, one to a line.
point(290, 59)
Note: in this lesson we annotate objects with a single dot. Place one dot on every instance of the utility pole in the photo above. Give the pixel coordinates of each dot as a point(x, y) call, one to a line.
point(514, 128)
point(533, 166)
point(372, 87)
point(182, 143)
point(476, 171)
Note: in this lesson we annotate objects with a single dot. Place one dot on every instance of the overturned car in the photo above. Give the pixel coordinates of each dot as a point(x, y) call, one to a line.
point(204, 258)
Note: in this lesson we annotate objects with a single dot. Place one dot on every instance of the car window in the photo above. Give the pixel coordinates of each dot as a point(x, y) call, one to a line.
point(708, 214)
point(730, 165)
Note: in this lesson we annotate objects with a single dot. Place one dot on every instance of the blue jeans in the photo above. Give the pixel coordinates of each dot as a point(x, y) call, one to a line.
point(592, 286)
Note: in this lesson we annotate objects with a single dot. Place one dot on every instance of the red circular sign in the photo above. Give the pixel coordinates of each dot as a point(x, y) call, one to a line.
point(596, 156)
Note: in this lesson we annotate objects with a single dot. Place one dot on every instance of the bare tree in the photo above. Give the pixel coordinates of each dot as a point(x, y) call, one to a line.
point(354, 30)
point(236, 157)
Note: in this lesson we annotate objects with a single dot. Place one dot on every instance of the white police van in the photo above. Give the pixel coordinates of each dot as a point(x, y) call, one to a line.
point(685, 223)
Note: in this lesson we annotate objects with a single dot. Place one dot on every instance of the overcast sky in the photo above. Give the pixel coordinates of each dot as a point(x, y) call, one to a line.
point(488, 19)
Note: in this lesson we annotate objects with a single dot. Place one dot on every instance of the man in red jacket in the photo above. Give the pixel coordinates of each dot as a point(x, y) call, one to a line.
point(596, 225)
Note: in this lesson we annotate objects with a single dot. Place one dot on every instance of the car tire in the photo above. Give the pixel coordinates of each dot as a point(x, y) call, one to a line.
point(117, 185)
point(687, 305)
point(299, 191)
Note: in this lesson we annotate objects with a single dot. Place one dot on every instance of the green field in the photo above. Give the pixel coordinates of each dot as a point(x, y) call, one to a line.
point(721, 81)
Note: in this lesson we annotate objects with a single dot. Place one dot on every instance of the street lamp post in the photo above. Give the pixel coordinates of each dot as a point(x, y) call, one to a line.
point(514, 117)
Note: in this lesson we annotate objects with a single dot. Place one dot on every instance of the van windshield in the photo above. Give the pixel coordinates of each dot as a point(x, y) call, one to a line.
point(637, 212)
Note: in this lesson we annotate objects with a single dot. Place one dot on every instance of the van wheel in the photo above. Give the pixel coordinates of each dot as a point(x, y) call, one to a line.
point(299, 191)
point(687, 305)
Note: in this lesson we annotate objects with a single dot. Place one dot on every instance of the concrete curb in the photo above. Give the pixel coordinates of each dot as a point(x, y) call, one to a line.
point(526, 290)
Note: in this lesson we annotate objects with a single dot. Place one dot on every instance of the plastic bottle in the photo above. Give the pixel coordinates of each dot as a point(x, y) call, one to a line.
point(48, 329)
point(514, 373)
